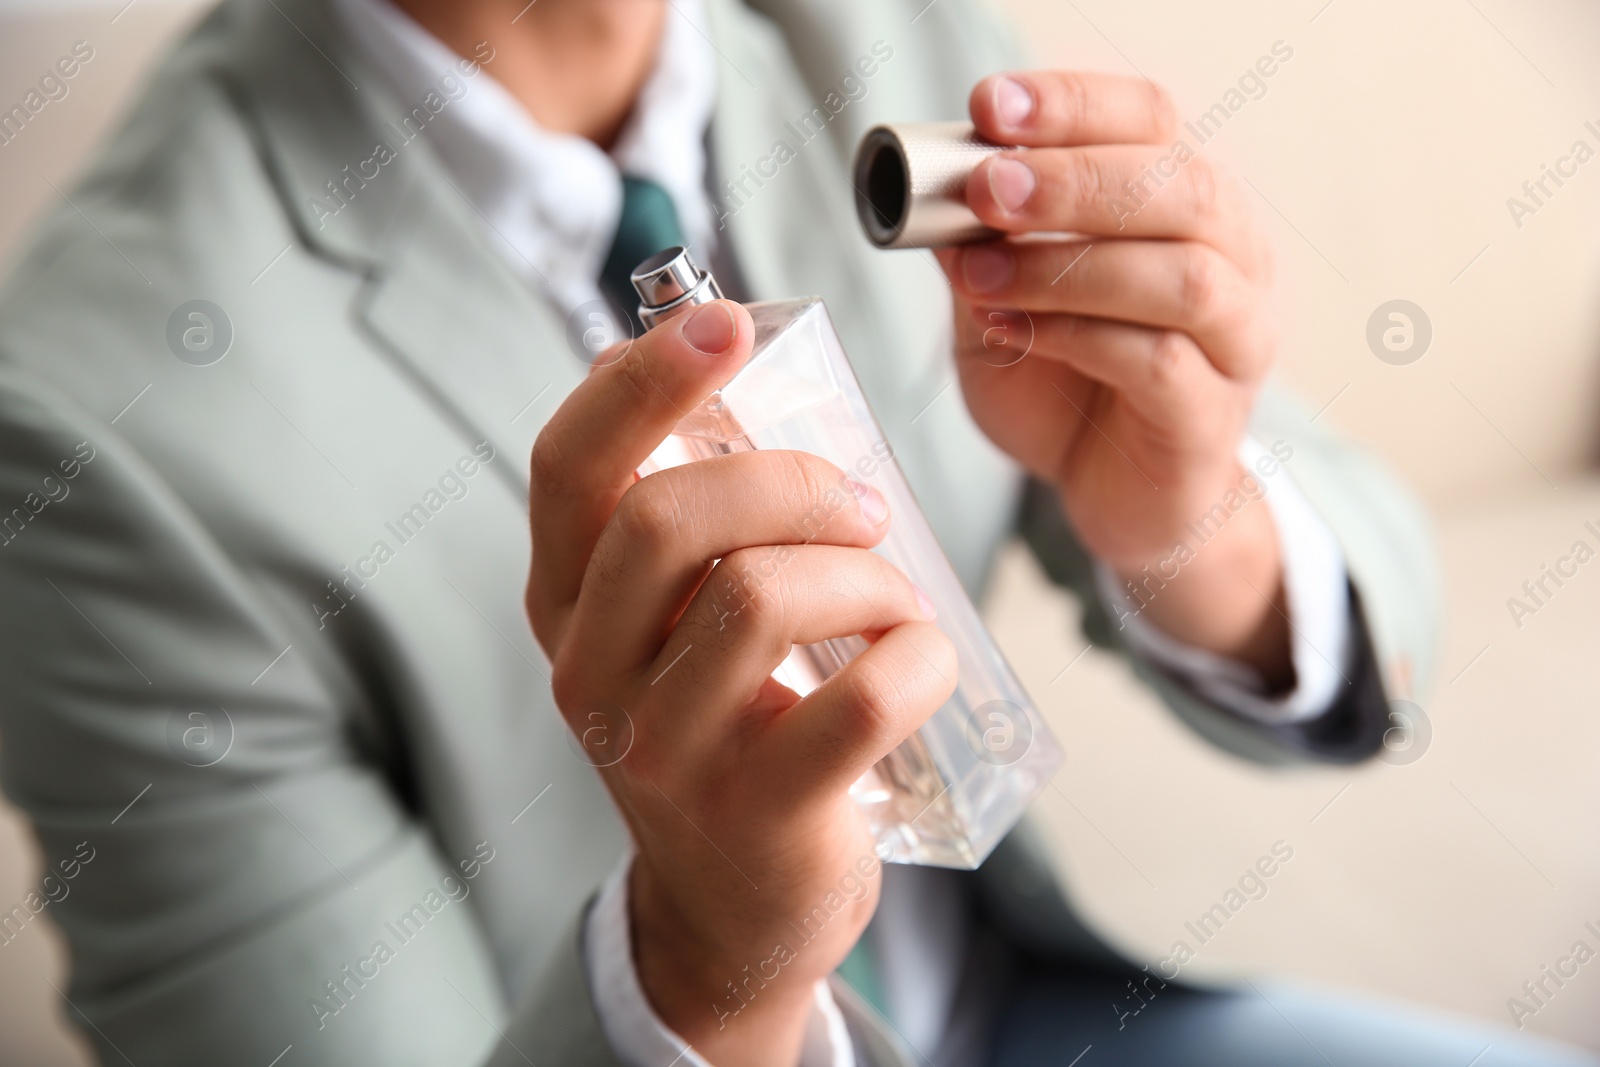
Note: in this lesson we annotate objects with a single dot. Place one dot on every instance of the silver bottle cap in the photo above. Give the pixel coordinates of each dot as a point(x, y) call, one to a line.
point(669, 282)
point(911, 184)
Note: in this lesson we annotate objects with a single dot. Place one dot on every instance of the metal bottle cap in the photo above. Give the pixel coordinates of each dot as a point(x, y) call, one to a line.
point(911, 184)
point(669, 282)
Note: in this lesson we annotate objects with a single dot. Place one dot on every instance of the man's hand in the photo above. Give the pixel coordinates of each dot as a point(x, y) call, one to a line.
point(1147, 334)
point(665, 603)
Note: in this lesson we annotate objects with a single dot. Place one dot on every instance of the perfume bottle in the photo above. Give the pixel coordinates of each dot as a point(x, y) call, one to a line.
point(948, 794)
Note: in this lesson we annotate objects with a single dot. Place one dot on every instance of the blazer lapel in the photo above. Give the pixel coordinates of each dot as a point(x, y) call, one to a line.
point(787, 208)
point(794, 233)
point(780, 201)
point(471, 334)
point(440, 300)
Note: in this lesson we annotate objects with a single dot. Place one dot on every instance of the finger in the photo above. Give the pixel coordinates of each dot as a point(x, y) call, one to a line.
point(1061, 107)
point(1119, 191)
point(670, 527)
point(1175, 285)
point(1162, 373)
point(1036, 410)
point(585, 457)
point(755, 607)
point(858, 716)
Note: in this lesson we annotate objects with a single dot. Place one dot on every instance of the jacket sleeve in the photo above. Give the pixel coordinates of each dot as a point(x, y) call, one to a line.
point(1393, 571)
point(244, 873)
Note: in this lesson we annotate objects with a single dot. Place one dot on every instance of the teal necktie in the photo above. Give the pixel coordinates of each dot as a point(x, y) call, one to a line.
point(649, 223)
point(860, 972)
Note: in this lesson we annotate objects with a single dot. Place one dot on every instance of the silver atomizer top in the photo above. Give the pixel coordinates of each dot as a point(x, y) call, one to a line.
point(669, 282)
point(911, 184)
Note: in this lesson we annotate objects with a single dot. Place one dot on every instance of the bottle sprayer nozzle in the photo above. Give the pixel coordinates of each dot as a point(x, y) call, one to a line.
point(669, 282)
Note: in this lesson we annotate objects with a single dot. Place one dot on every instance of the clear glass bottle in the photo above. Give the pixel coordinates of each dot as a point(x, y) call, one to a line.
point(948, 794)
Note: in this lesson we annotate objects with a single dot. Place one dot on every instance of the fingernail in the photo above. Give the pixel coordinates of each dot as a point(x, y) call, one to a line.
point(929, 612)
point(1013, 102)
point(987, 268)
point(1011, 182)
point(711, 329)
point(873, 507)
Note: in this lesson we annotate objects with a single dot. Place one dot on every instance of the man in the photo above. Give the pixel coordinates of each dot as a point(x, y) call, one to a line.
point(269, 380)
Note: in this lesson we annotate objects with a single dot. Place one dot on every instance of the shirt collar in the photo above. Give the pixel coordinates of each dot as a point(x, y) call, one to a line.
point(550, 200)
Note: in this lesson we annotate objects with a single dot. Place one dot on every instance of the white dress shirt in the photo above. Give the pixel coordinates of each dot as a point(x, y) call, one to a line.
point(553, 201)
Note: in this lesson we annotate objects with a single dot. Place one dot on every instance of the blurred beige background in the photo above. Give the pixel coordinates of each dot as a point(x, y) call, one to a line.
point(1383, 153)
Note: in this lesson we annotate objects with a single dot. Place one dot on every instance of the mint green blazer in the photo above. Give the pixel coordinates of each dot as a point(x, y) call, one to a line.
point(264, 646)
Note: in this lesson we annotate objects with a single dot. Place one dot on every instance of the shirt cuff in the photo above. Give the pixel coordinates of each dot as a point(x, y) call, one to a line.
point(636, 1034)
point(1316, 586)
